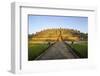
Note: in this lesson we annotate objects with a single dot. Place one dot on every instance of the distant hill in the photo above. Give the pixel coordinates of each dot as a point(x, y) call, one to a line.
point(58, 34)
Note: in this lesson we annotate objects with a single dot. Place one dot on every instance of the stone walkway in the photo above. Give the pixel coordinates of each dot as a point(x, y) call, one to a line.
point(58, 51)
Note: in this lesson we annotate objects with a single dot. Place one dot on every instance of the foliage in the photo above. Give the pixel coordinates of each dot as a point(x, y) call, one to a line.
point(34, 50)
point(81, 49)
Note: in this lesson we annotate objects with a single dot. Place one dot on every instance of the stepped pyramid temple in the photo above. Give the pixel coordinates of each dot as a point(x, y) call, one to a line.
point(56, 34)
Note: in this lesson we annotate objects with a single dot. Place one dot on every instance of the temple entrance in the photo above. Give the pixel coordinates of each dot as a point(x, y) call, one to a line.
point(60, 36)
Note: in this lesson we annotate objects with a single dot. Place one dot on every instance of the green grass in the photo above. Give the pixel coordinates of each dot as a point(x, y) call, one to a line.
point(34, 50)
point(81, 49)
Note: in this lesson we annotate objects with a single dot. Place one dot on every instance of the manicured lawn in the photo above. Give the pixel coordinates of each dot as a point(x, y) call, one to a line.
point(81, 49)
point(34, 50)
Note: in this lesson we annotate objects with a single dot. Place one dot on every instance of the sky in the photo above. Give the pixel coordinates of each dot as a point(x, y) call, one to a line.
point(37, 23)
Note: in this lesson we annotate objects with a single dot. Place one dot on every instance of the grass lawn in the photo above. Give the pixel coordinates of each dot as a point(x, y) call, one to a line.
point(81, 49)
point(34, 50)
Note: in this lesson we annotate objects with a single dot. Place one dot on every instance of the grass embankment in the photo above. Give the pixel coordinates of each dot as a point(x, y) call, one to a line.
point(34, 50)
point(81, 49)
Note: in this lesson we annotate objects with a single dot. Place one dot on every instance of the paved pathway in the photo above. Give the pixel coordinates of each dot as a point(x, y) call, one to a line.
point(58, 51)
